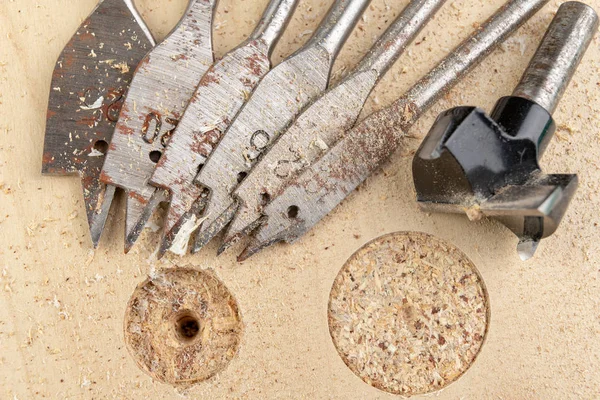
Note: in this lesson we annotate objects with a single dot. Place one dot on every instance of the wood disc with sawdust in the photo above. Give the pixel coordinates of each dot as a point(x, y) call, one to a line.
point(408, 313)
point(182, 326)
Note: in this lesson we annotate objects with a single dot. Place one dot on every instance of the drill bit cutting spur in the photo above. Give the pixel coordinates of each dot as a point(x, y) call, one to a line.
point(319, 188)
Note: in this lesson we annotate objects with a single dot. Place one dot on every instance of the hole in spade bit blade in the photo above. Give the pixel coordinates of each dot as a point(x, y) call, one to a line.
point(293, 212)
point(101, 146)
point(155, 156)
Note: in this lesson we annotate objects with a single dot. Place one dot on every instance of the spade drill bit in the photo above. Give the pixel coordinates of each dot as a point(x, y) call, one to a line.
point(489, 165)
point(324, 122)
point(221, 94)
point(277, 100)
point(326, 183)
point(161, 88)
point(89, 84)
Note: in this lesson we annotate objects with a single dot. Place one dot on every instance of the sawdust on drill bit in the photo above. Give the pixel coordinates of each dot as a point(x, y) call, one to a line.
point(182, 326)
point(408, 313)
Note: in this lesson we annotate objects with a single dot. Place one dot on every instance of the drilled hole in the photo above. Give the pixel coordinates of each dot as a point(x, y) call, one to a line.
point(155, 156)
point(265, 199)
point(242, 176)
point(293, 212)
point(187, 327)
point(101, 146)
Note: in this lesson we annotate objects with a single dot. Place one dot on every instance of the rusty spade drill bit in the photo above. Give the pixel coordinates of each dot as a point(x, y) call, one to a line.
point(277, 100)
point(161, 88)
point(488, 165)
point(89, 84)
point(324, 122)
point(222, 92)
point(326, 183)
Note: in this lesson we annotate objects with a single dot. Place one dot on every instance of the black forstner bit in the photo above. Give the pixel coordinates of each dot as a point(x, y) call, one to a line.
point(488, 165)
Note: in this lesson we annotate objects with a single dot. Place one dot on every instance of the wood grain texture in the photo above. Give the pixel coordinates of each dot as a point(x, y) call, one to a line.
point(62, 304)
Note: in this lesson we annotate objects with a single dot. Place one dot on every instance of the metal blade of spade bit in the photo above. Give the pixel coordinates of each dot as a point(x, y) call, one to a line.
point(277, 100)
point(89, 83)
point(324, 122)
point(221, 94)
point(321, 187)
point(161, 88)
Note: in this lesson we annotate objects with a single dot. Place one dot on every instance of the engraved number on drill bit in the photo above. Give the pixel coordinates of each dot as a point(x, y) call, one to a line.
point(110, 103)
point(153, 126)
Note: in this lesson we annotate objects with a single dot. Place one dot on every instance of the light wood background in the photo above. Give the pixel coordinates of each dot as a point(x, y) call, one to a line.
point(62, 304)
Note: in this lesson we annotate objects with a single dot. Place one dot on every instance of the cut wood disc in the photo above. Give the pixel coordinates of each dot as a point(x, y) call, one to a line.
point(408, 313)
point(182, 326)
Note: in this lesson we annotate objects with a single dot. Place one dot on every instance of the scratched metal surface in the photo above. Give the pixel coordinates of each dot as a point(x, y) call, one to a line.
point(277, 100)
point(325, 121)
point(161, 88)
point(89, 84)
point(219, 97)
point(326, 183)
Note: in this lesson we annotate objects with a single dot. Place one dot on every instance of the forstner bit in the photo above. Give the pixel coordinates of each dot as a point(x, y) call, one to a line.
point(162, 85)
point(89, 84)
point(281, 95)
point(222, 92)
point(324, 122)
point(489, 165)
point(326, 183)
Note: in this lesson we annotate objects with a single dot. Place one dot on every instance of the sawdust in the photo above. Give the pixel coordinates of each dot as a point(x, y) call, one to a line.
point(408, 313)
point(182, 326)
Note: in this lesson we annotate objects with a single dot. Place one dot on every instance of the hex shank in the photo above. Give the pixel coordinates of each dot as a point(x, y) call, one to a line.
point(559, 55)
point(337, 26)
point(274, 21)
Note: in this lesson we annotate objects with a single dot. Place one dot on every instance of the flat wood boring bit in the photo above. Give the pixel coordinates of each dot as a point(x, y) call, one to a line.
point(221, 94)
point(89, 84)
point(161, 88)
point(488, 165)
point(326, 183)
point(324, 122)
point(281, 95)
